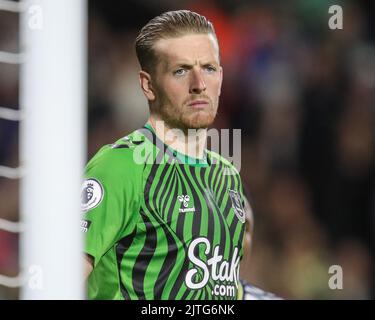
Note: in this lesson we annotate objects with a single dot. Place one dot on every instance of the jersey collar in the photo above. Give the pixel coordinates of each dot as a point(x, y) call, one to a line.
point(180, 157)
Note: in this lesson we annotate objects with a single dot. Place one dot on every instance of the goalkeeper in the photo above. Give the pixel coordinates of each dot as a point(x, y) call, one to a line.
point(163, 216)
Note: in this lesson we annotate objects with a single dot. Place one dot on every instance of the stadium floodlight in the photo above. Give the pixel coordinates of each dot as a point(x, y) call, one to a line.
point(53, 140)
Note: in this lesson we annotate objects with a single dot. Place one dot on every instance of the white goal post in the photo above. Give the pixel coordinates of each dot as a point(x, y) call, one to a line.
point(52, 146)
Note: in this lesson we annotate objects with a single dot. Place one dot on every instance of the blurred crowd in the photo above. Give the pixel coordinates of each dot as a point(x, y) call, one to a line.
point(303, 96)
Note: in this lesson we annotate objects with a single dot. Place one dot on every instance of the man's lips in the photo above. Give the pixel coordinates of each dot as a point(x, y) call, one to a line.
point(198, 103)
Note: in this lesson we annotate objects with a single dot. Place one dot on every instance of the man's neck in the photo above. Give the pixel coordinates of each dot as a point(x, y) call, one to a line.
point(191, 143)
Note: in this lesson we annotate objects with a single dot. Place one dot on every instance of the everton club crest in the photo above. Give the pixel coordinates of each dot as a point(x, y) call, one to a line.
point(237, 205)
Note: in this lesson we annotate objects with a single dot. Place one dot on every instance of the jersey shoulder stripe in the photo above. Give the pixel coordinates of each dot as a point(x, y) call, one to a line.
point(126, 152)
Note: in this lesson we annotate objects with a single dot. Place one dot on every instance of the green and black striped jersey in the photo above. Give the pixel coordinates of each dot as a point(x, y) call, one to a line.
point(161, 225)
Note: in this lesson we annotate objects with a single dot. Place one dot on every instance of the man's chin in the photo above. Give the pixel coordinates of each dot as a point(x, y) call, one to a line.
point(199, 122)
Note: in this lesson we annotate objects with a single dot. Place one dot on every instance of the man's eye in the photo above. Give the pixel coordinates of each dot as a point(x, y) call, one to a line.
point(210, 69)
point(179, 72)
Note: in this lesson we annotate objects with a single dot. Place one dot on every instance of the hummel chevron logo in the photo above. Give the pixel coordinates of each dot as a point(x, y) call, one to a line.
point(184, 199)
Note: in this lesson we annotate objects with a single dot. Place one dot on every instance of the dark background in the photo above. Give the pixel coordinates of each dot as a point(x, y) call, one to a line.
point(303, 96)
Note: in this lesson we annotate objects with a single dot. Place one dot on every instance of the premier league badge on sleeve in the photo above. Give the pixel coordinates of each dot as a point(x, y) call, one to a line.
point(91, 195)
point(237, 205)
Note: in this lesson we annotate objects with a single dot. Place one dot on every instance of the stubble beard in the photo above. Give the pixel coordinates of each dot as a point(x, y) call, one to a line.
point(185, 117)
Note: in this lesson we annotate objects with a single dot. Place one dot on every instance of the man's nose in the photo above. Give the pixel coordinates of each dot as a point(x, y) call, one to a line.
point(197, 84)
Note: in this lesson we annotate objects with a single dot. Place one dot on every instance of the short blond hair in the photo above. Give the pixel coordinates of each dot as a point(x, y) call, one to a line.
point(171, 24)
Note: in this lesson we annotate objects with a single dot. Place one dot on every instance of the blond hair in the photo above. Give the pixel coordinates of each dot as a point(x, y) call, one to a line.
point(171, 24)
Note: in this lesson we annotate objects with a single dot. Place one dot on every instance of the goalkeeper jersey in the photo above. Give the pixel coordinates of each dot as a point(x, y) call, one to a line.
point(159, 224)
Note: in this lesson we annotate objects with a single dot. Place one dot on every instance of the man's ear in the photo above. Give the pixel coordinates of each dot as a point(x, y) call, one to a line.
point(221, 79)
point(146, 86)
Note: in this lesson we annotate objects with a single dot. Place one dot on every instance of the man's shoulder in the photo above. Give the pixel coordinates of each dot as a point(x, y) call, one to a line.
point(216, 158)
point(122, 155)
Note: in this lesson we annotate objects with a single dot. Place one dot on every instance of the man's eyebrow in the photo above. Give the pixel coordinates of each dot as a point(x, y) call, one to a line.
point(182, 65)
point(211, 63)
point(190, 65)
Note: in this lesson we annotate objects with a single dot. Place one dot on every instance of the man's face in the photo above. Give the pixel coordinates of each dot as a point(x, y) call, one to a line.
point(187, 81)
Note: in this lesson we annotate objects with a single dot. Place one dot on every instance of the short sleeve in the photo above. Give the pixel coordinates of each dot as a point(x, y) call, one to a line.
point(110, 203)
